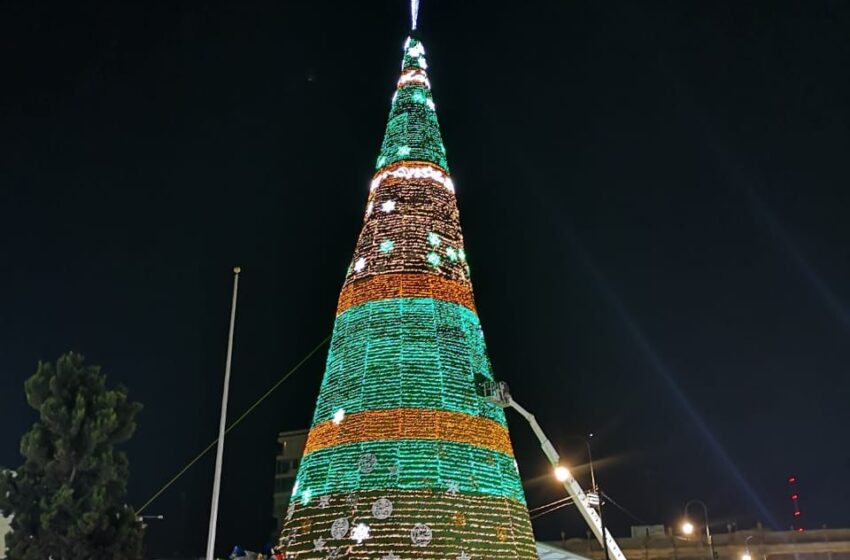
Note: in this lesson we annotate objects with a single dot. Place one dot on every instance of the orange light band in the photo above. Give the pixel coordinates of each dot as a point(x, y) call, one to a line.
point(410, 423)
point(404, 285)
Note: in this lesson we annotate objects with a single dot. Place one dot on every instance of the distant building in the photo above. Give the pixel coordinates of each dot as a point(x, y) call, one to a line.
point(5, 528)
point(647, 543)
point(286, 467)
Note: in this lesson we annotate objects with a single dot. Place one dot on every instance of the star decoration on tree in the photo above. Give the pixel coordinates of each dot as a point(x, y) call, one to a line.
point(324, 501)
point(318, 544)
point(454, 488)
point(360, 532)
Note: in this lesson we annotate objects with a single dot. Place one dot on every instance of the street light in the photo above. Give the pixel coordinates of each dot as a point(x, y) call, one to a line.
point(562, 473)
point(746, 555)
point(688, 527)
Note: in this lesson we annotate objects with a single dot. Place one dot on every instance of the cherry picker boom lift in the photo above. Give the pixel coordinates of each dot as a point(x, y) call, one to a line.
point(498, 394)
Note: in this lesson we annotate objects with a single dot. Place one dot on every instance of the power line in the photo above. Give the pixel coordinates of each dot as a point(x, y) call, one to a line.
point(563, 503)
point(624, 510)
point(234, 424)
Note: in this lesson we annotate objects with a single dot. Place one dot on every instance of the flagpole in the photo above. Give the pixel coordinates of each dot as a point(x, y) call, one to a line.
point(219, 454)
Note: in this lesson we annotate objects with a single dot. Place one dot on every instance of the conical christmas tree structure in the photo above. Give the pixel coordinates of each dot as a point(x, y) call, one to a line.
point(404, 459)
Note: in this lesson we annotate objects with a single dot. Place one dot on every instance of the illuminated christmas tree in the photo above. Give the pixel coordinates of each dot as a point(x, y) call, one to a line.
point(404, 458)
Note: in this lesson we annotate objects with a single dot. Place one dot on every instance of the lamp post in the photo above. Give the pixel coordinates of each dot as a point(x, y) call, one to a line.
point(688, 527)
point(746, 555)
point(593, 485)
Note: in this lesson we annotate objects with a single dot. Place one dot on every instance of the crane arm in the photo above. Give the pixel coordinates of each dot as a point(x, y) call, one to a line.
point(499, 395)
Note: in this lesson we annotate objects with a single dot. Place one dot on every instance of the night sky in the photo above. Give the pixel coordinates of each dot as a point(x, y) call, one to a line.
point(654, 197)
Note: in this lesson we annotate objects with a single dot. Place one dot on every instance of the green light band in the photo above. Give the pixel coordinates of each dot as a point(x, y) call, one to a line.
point(409, 464)
point(406, 353)
point(413, 131)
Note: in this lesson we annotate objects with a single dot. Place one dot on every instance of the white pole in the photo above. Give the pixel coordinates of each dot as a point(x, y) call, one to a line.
point(219, 453)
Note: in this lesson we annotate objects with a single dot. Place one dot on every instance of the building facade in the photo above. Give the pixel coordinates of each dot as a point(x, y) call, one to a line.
point(286, 467)
point(760, 544)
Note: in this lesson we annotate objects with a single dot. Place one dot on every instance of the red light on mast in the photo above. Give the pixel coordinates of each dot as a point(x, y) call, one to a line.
point(792, 487)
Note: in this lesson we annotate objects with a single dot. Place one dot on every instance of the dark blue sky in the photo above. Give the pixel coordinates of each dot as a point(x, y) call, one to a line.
point(654, 197)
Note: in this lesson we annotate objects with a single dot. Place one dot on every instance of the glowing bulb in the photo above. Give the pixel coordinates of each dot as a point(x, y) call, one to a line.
point(430, 104)
point(451, 253)
point(360, 264)
point(339, 416)
point(746, 556)
point(422, 63)
point(687, 528)
point(404, 151)
point(305, 497)
point(562, 473)
point(388, 206)
point(386, 246)
point(434, 239)
point(434, 259)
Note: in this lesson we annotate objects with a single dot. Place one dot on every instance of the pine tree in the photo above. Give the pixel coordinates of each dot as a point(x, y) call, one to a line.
point(67, 497)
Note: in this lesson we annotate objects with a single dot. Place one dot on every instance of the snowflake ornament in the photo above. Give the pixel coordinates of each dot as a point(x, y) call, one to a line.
point(367, 463)
point(324, 501)
point(339, 528)
point(454, 488)
point(421, 535)
point(360, 532)
point(382, 508)
point(318, 544)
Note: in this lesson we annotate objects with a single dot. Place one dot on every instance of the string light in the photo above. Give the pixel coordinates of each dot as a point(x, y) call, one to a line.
point(390, 286)
point(413, 170)
point(411, 423)
point(404, 459)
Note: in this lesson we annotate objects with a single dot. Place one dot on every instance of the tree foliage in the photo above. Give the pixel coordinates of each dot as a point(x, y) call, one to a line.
point(67, 497)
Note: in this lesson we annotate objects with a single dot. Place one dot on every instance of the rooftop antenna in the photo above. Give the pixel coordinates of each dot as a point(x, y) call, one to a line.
point(414, 13)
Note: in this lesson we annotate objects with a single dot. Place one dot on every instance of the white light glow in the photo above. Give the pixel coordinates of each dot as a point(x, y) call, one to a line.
point(430, 104)
point(422, 62)
point(562, 473)
point(414, 75)
point(414, 171)
point(687, 527)
point(388, 206)
point(360, 532)
point(339, 416)
point(418, 50)
point(360, 264)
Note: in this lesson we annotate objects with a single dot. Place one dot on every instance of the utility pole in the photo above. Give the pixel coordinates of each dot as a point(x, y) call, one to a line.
point(219, 453)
